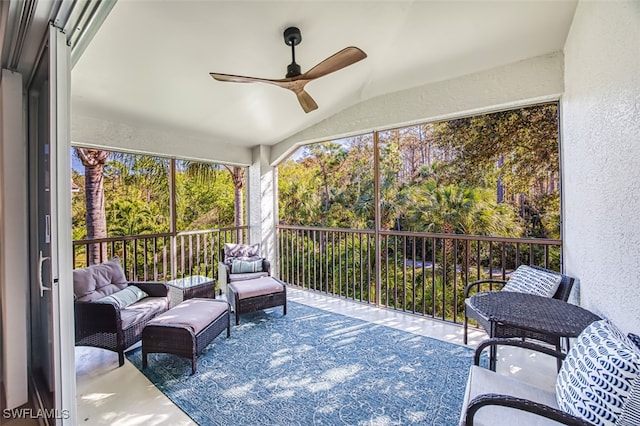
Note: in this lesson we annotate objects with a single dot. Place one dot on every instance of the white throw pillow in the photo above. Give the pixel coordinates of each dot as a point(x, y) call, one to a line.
point(631, 410)
point(529, 280)
point(125, 297)
point(598, 375)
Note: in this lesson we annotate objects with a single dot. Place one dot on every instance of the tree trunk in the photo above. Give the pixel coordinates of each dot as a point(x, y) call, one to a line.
point(237, 177)
point(447, 228)
point(96, 218)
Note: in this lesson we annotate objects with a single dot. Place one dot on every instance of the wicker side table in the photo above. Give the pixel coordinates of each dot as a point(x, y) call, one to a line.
point(523, 315)
point(190, 287)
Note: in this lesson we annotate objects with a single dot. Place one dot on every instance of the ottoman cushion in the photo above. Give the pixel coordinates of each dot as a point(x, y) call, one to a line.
point(194, 314)
point(257, 287)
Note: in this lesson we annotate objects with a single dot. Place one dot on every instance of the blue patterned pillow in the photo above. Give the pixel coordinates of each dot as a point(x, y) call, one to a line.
point(635, 339)
point(526, 279)
point(631, 411)
point(596, 378)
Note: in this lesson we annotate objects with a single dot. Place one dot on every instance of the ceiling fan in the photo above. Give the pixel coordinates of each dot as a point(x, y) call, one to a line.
point(295, 80)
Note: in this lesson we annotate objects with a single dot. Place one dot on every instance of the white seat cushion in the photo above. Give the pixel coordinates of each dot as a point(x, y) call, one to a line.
point(483, 381)
point(247, 276)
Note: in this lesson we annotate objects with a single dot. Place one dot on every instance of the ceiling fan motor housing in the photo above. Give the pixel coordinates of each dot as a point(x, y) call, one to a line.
point(292, 36)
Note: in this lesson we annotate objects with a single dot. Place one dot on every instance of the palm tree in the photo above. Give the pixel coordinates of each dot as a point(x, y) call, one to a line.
point(93, 161)
point(238, 179)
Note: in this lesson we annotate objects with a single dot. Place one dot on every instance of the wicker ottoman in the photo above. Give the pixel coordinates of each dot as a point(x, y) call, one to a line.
point(186, 329)
point(256, 294)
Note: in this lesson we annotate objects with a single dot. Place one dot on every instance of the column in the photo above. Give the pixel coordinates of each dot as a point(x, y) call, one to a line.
point(261, 205)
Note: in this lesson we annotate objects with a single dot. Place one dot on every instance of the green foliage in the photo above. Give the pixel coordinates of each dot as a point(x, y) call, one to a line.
point(331, 185)
point(493, 174)
point(137, 196)
point(132, 216)
point(205, 202)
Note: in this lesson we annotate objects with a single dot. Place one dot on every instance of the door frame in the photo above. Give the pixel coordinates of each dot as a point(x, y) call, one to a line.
point(60, 128)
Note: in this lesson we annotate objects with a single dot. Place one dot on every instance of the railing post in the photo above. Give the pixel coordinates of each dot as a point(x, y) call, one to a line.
point(377, 221)
point(172, 218)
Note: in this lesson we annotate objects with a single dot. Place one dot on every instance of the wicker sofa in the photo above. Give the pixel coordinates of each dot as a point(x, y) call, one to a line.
point(110, 312)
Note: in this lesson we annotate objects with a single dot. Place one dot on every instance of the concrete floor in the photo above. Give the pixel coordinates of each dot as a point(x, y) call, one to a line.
point(108, 395)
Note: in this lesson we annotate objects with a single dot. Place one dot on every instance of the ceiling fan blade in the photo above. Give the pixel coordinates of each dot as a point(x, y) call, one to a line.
point(344, 58)
point(240, 79)
point(306, 101)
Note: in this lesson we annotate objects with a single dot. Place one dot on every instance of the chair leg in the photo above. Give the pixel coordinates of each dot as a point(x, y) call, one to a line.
point(120, 357)
point(559, 349)
point(493, 356)
point(466, 327)
point(493, 350)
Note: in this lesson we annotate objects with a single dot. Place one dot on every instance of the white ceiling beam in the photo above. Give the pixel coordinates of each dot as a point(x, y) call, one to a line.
point(146, 139)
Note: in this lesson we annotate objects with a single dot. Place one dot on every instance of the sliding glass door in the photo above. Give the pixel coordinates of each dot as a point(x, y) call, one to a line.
point(51, 360)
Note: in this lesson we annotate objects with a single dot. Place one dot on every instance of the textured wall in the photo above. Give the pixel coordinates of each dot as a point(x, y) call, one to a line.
point(601, 153)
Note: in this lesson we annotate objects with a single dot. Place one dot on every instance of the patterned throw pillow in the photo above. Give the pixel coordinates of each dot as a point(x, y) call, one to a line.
point(635, 339)
point(597, 377)
point(246, 266)
point(526, 279)
point(631, 411)
point(124, 297)
point(241, 252)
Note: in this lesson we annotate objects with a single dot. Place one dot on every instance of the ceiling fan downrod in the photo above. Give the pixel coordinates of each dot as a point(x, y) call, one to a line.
point(293, 37)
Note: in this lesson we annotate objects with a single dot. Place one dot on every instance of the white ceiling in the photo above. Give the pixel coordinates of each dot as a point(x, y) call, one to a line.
point(149, 64)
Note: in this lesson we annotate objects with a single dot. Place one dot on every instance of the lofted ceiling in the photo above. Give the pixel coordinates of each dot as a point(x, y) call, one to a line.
point(149, 63)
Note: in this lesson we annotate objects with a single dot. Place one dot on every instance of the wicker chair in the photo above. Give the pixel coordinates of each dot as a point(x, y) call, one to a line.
point(249, 255)
point(562, 293)
point(103, 319)
point(582, 396)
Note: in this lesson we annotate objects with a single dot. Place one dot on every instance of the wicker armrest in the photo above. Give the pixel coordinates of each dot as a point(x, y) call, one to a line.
point(266, 266)
point(477, 284)
point(153, 289)
point(517, 343)
point(93, 317)
point(224, 271)
point(523, 405)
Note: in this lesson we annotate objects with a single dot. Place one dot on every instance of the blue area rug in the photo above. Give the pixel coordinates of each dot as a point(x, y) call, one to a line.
point(313, 367)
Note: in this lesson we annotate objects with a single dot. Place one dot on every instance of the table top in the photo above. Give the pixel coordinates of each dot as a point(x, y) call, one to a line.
point(190, 281)
point(534, 313)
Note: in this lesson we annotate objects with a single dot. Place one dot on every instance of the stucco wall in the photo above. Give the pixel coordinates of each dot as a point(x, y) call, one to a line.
point(601, 153)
